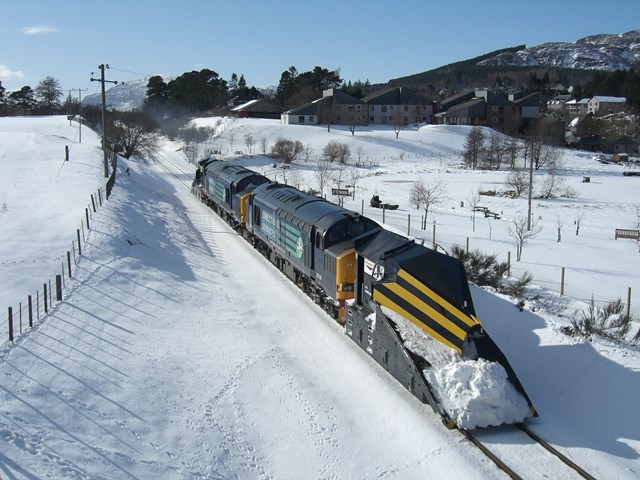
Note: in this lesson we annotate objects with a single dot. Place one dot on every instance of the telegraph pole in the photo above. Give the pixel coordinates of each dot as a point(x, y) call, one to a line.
point(102, 81)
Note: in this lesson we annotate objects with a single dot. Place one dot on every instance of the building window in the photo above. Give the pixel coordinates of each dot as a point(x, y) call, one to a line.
point(391, 107)
point(383, 108)
point(301, 119)
point(312, 119)
point(372, 119)
point(384, 119)
point(372, 108)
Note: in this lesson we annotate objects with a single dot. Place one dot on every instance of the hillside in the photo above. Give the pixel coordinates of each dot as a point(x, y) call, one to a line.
point(568, 63)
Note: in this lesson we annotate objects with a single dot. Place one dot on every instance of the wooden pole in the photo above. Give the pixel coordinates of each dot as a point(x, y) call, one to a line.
point(628, 303)
point(434, 236)
point(79, 247)
point(562, 283)
point(30, 311)
point(509, 263)
point(11, 324)
point(408, 225)
point(45, 298)
point(58, 288)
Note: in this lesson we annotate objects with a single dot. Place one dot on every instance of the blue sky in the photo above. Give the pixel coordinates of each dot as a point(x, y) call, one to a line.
point(373, 40)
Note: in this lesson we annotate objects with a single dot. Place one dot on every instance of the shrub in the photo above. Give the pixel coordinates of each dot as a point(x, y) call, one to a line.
point(481, 269)
point(609, 322)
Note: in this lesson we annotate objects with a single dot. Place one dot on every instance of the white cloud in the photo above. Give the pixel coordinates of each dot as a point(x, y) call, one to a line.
point(38, 29)
point(7, 74)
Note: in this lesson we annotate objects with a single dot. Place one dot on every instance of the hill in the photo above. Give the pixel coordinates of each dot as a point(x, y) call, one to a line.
point(562, 62)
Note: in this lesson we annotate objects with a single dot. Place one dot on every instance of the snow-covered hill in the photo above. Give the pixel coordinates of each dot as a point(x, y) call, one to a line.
point(596, 52)
point(124, 97)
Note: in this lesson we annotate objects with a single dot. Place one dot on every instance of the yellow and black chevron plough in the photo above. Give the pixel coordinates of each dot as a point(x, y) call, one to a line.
point(430, 290)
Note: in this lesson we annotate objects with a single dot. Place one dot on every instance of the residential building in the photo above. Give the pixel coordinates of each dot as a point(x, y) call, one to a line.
point(305, 115)
point(603, 105)
point(397, 106)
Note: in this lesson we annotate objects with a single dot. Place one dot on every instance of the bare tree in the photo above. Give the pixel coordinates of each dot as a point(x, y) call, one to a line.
point(427, 195)
point(521, 234)
point(474, 201)
point(322, 174)
point(552, 181)
point(518, 182)
point(354, 177)
point(249, 141)
point(308, 151)
point(231, 136)
point(133, 133)
point(336, 151)
point(359, 152)
point(512, 150)
point(286, 150)
point(494, 151)
point(296, 177)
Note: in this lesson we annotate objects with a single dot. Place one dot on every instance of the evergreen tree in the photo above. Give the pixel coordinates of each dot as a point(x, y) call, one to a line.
point(3, 100)
point(197, 91)
point(23, 99)
point(49, 93)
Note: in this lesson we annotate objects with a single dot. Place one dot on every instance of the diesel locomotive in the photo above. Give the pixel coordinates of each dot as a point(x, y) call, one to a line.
point(357, 271)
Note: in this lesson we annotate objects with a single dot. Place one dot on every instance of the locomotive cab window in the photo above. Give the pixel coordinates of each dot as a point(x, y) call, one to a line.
point(347, 229)
point(256, 215)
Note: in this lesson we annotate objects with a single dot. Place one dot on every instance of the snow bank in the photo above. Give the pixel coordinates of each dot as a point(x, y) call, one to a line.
point(475, 393)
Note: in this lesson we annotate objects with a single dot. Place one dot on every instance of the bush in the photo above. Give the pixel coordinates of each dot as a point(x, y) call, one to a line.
point(286, 150)
point(481, 269)
point(609, 322)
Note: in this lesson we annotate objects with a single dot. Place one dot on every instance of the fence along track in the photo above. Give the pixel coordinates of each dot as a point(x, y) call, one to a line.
point(36, 306)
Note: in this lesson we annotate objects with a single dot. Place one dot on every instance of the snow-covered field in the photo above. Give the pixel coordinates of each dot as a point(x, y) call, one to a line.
point(179, 353)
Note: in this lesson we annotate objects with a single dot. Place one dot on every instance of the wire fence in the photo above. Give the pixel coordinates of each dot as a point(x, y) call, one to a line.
point(566, 283)
point(35, 306)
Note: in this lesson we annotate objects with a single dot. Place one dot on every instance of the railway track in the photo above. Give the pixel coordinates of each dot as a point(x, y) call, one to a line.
point(528, 446)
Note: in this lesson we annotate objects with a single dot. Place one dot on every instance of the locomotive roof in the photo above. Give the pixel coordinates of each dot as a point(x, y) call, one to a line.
point(231, 172)
point(310, 209)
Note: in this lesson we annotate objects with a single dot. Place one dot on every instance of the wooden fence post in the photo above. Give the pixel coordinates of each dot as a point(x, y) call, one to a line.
point(46, 309)
point(93, 203)
point(562, 282)
point(408, 224)
point(58, 288)
point(79, 246)
point(69, 262)
point(628, 303)
point(509, 263)
point(30, 311)
point(10, 324)
point(86, 212)
point(434, 236)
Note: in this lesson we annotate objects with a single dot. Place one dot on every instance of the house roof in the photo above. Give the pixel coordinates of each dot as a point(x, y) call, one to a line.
point(468, 104)
point(605, 99)
point(258, 105)
point(340, 97)
point(531, 100)
point(308, 109)
point(395, 96)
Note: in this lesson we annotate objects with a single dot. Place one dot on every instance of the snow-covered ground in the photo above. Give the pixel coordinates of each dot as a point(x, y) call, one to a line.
point(179, 353)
